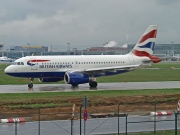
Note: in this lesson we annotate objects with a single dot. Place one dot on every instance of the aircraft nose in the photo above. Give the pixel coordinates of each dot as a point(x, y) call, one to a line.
point(7, 70)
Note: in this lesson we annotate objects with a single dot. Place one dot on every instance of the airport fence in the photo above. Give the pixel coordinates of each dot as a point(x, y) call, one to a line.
point(84, 122)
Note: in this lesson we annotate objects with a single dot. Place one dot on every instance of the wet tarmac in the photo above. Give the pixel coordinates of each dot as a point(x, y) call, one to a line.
point(85, 87)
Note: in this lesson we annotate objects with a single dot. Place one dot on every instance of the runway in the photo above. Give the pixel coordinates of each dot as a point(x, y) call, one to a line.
point(85, 87)
point(96, 126)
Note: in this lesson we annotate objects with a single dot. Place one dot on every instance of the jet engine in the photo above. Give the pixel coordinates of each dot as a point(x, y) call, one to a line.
point(50, 79)
point(76, 78)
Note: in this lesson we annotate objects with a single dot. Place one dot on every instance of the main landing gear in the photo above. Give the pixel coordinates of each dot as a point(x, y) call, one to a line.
point(30, 85)
point(74, 85)
point(93, 84)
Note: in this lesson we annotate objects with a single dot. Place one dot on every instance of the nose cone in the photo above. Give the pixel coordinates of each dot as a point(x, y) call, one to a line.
point(8, 70)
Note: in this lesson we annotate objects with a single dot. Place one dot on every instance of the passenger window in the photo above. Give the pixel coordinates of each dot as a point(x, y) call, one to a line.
point(18, 63)
point(22, 63)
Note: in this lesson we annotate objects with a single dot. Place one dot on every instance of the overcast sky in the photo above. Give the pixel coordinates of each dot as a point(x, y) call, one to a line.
point(86, 23)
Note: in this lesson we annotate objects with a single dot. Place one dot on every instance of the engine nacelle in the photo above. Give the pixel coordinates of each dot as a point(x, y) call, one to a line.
point(50, 79)
point(76, 78)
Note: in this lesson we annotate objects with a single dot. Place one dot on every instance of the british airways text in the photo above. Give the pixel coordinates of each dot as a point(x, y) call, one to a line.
point(55, 66)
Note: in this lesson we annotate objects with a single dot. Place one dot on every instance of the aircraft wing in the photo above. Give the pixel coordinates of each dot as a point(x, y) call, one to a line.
point(103, 69)
point(112, 68)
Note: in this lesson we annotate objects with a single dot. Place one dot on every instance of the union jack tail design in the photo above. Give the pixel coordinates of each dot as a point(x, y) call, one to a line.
point(145, 45)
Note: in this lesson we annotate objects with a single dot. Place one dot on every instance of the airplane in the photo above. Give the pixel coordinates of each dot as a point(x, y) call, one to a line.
point(80, 69)
point(5, 59)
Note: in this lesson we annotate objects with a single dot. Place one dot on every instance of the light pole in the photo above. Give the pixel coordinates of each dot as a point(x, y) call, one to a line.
point(29, 48)
point(68, 48)
point(7, 52)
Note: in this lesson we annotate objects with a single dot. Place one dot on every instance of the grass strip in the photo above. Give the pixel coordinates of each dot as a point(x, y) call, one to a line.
point(170, 132)
point(29, 106)
point(20, 97)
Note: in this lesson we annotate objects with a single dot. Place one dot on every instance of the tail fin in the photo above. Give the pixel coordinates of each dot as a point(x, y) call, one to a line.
point(145, 45)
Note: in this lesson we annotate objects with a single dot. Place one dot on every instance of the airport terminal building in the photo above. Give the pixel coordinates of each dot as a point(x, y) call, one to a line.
point(29, 48)
point(19, 51)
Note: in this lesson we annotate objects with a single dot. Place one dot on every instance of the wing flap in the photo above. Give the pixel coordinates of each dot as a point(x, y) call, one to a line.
point(112, 68)
point(103, 69)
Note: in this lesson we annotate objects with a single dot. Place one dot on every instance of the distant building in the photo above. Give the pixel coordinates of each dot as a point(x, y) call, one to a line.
point(29, 48)
point(162, 48)
point(108, 50)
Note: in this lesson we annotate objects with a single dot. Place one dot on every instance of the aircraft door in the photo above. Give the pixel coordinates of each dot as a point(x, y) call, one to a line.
point(76, 64)
point(131, 60)
point(33, 63)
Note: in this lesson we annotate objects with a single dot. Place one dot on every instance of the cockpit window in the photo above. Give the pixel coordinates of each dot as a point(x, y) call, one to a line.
point(17, 63)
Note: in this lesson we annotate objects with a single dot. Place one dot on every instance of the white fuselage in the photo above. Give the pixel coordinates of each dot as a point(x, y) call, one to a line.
point(41, 65)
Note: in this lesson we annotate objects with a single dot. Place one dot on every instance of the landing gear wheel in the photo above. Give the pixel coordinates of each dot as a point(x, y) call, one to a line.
point(30, 85)
point(93, 84)
point(74, 85)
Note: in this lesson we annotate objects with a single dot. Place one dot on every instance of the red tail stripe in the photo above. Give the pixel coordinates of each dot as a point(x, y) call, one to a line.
point(151, 34)
point(141, 53)
point(38, 60)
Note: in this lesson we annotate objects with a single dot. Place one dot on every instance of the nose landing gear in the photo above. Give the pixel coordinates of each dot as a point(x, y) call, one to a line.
point(30, 85)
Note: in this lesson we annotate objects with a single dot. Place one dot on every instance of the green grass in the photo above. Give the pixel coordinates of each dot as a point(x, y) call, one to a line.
point(28, 106)
point(171, 132)
point(12, 97)
point(165, 73)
